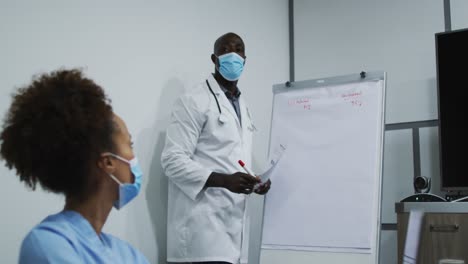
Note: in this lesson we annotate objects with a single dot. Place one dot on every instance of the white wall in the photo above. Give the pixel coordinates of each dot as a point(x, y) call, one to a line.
point(337, 37)
point(143, 53)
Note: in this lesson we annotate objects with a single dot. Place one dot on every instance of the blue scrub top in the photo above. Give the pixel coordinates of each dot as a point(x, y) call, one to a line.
point(67, 237)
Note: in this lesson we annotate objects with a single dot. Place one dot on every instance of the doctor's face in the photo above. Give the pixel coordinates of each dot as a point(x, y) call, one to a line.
point(228, 43)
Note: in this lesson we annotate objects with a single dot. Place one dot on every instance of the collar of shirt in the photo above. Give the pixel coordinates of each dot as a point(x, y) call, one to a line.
point(230, 95)
point(82, 226)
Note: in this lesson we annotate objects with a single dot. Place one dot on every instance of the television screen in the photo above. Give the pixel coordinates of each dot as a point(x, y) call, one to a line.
point(452, 88)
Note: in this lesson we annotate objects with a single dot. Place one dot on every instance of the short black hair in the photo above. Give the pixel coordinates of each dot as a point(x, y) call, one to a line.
point(222, 38)
point(54, 131)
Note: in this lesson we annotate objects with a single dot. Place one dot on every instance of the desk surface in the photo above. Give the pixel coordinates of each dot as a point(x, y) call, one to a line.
point(432, 207)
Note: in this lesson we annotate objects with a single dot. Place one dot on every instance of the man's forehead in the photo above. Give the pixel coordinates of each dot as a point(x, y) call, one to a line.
point(229, 39)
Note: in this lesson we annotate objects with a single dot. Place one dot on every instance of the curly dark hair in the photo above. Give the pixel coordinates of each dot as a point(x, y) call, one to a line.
point(55, 130)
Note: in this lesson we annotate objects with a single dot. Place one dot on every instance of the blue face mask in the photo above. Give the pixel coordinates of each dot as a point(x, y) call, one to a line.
point(231, 66)
point(128, 191)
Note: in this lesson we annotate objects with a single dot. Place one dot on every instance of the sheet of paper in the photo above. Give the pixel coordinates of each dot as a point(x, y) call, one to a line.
point(274, 159)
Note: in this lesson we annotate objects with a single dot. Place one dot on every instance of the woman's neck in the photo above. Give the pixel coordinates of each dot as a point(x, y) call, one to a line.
point(92, 209)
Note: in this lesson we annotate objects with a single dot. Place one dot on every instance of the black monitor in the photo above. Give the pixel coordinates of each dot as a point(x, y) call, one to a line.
point(452, 89)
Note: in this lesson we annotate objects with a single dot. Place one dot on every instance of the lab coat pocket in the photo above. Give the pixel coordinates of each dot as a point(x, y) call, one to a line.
point(218, 134)
point(251, 127)
point(221, 199)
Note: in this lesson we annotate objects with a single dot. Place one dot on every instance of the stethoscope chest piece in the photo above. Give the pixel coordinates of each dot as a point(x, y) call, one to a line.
point(222, 119)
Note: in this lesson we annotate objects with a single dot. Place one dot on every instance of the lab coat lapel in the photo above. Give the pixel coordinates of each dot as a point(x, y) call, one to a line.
point(224, 103)
point(245, 116)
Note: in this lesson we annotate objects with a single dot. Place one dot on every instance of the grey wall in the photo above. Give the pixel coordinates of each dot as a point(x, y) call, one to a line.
point(459, 11)
point(144, 54)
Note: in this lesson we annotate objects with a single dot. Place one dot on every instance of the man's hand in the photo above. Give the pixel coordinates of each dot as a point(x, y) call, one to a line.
point(263, 188)
point(240, 182)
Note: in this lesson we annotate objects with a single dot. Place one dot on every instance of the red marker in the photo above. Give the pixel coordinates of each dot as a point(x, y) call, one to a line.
point(245, 168)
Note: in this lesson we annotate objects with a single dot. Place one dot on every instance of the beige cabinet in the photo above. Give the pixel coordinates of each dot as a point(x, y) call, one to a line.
point(444, 231)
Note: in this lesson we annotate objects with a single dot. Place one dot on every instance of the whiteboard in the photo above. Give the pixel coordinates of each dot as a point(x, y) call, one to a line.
point(324, 204)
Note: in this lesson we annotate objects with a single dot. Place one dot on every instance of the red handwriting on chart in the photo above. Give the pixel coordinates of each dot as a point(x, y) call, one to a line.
point(353, 98)
point(303, 103)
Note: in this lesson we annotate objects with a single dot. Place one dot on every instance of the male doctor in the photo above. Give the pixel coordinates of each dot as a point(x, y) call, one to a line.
point(210, 130)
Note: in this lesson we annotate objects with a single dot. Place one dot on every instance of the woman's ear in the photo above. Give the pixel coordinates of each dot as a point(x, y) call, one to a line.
point(106, 163)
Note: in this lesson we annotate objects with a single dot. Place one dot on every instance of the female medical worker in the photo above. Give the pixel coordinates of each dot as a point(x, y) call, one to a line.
point(61, 132)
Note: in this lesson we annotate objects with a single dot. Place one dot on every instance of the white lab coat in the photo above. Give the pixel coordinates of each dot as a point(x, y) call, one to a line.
point(206, 224)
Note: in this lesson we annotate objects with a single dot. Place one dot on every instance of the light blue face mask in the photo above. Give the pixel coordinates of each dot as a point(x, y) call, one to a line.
point(231, 66)
point(128, 191)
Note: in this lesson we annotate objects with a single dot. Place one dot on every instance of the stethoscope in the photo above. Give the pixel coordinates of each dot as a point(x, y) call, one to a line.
point(222, 119)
